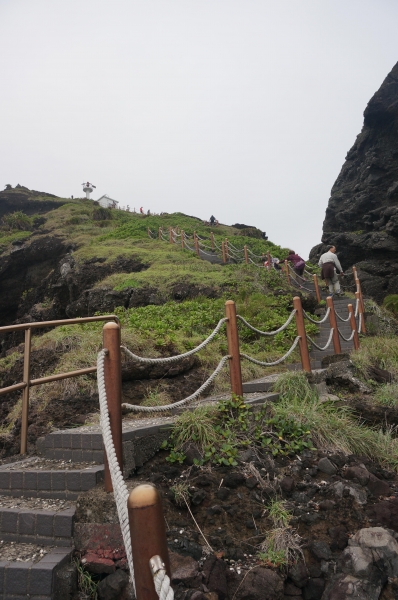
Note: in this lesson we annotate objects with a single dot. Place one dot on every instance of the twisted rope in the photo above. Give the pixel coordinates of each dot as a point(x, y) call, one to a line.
point(171, 359)
point(203, 387)
point(255, 255)
point(356, 307)
point(276, 362)
point(189, 247)
point(282, 328)
point(160, 579)
point(317, 322)
point(327, 344)
point(360, 323)
point(341, 318)
point(346, 339)
point(119, 487)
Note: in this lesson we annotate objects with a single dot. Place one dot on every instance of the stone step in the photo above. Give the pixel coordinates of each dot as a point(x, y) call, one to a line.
point(37, 581)
point(32, 526)
point(17, 479)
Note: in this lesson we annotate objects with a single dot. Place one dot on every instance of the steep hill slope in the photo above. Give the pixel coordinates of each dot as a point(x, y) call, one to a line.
point(362, 213)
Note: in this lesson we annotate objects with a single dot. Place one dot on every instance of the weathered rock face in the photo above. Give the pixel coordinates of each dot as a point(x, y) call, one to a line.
point(362, 214)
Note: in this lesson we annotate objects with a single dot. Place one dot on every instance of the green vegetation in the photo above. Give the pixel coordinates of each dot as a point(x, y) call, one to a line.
point(380, 351)
point(391, 303)
point(387, 394)
point(332, 427)
point(219, 432)
point(86, 582)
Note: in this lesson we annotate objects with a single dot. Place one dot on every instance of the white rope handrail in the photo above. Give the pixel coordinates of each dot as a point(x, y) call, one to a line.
point(276, 362)
point(119, 487)
point(207, 254)
point(170, 359)
point(160, 579)
point(235, 248)
point(255, 264)
point(313, 320)
point(356, 307)
point(189, 247)
point(360, 323)
point(346, 339)
point(203, 387)
point(255, 255)
point(341, 318)
point(281, 328)
point(327, 343)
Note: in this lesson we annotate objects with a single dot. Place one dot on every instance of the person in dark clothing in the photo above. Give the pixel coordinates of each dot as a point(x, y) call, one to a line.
point(212, 220)
point(297, 262)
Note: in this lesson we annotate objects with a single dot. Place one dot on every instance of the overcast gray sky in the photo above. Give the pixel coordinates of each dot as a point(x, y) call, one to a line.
point(240, 108)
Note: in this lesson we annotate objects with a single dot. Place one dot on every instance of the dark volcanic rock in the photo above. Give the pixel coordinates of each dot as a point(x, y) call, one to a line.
point(362, 214)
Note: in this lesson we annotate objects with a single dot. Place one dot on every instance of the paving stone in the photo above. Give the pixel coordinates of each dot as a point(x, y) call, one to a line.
point(73, 481)
point(76, 439)
point(3, 565)
point(58, 480)
point(16, 578)
point(4, 480)
point(45, 523)
point(66, 440)
point(10, 520)
point(44, 480)
point(63, 523)
point(30, 480)
point(41, 577)
point(26, 523)
point(16, 480)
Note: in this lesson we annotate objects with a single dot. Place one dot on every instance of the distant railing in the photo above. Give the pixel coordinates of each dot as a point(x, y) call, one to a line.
point(27, 382)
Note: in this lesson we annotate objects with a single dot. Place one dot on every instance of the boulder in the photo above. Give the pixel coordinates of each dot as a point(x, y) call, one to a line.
point(261, 584)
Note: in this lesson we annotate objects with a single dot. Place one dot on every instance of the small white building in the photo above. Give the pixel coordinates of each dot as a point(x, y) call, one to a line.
point(106, 202)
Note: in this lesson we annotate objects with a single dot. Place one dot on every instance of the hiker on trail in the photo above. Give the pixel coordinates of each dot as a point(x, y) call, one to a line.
point(297, 262)
point(329, 263)
point(212, 220)
point(141, 210)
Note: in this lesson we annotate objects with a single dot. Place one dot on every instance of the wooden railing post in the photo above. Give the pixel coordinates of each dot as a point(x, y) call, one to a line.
point(353, 324)
point(246, 254)
point(148, 537)
point(287, 271)
point(316, 285)
point(333, 323)
point(269, 261)
point(233, 348)
point(303, 345)
point(149, 233)
point(354, 272)
point(113, 387)
point(223, 252)
point(182, 239)
point(226, 249)
point(171, 235)
point(212, 240)
point(196, 243)
point(360, 311)
point(25, 393)
point(359, 289)
point(160, 233)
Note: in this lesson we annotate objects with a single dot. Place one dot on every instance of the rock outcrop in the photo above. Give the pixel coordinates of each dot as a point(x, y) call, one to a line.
point(362, 214)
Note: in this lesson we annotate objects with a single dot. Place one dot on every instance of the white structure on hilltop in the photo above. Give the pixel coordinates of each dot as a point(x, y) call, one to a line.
point(88, 188)
point(106, 202)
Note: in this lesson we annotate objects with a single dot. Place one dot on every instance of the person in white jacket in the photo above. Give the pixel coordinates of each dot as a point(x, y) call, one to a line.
point(329, 262)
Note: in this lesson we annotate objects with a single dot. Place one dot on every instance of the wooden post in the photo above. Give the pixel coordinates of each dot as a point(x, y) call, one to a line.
point(160, 233)
point(359, 289)
point(149, 233)
point(353, 324)
point(171, 235)
point(113, 387)
point(303, 345)
point(226, 249)
point(212, 240)
point(25, 393)
point(148, 537)
point(182, 239)
point(269, 261)
point(360, 311)
point(246, 254)
point(233, 348)
point(223, 252)
point(196, 242)
point(333, 323)
point(316, 285)
point(354, 272)
point(287, 271)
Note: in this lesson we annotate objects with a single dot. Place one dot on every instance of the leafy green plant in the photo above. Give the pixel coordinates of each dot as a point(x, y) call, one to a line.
point(278, 513)
point(387, 394)
point(180, 492)
point(275, 559)
point(17, 220)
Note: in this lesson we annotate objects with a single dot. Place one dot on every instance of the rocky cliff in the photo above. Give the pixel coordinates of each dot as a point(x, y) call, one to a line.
point(362, 214)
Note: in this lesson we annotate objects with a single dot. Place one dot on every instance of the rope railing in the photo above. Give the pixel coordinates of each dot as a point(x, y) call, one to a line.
point(161, 580)
point(171, 359)
point(119, 487)
point(347, 339)
point(341, 318)
point(276, 362)
point(282, 328)
point(167, 407)
point(307, 316)
point(322, 348)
